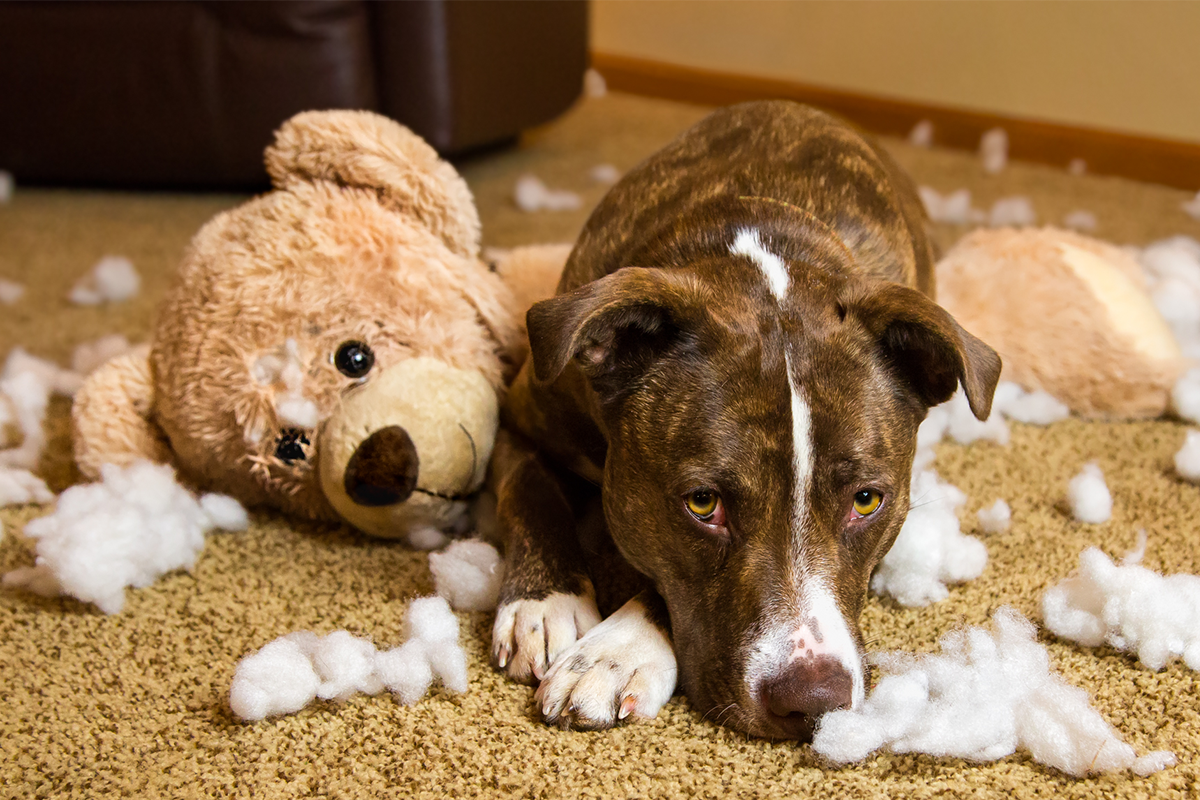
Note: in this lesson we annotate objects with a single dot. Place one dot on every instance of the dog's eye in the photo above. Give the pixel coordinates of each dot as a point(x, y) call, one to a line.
point(290, 446)
point(354, 359)
point(866, 503)
point(705, 505)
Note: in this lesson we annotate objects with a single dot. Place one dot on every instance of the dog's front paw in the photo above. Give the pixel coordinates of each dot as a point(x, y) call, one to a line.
point(624, 667)
point(529, 635)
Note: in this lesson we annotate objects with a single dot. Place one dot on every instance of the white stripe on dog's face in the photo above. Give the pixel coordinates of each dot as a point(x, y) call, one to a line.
point(748, 243)
point(814, 626)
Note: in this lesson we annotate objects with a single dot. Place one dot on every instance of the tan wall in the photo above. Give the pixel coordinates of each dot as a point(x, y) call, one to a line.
point(1124, 65)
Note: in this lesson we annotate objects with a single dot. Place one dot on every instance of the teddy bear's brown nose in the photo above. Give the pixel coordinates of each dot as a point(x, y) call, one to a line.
point(383, 470)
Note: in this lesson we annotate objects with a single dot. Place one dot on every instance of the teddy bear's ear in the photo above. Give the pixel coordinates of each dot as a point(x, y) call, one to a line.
point(110, 417)
point(365, 150)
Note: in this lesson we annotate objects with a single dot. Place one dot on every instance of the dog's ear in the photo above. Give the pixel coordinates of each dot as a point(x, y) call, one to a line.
point(929, 350)
point(613, 325)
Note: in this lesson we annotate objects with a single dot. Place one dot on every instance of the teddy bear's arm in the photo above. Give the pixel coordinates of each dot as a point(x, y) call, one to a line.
point(111, 416)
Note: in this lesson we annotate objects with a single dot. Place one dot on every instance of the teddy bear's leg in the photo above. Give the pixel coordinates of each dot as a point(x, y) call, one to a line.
point(110, 417)
point(547, 600)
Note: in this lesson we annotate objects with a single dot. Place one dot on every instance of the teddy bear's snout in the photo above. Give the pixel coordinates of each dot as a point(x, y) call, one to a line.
point(383, 470)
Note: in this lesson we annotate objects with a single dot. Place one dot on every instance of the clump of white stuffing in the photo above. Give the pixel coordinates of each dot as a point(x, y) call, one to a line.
point(20, 486)
point(468, 574)
point(1185, 395)
point(922, 134)
point(986, 695)
point(964, 428)
point(1187, 460)
point(604, 173)
point(26, 383)
point(1088, 495)
point(1012, 212)
point(993, 150)
point(90, 355)
point(954, 208)
point(594, 84)
point(292, 671)
point(530, 194)
point(1131, 608)
point(1080, 220)
point(7, 184)
point(1032, 408)
point(1192, 207)
point(128, 529)
point(111, 280)
point(996, 518)
point(10, 292)
point(930, 550)
point(1172, 270)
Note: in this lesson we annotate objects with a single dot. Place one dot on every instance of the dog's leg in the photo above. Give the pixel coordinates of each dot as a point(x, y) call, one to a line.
point(622, 668)
point(547, 600)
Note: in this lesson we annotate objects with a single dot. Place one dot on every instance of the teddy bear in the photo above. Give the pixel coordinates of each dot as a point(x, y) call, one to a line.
point(335, 348)
point(1069, 314)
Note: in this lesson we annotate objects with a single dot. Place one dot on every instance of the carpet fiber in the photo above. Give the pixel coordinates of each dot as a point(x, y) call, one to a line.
point(135, 705)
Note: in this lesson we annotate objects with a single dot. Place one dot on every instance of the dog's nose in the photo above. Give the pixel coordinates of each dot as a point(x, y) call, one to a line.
point(808, 687)
point(383, 469)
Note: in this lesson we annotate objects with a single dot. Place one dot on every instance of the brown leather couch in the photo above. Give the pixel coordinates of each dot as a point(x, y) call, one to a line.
point(187, 94)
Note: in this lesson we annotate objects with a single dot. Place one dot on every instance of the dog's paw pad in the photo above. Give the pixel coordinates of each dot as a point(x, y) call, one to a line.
point(529, 635)
point(624, 668)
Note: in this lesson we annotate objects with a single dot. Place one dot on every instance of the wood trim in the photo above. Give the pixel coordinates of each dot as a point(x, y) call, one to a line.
point(1143, 158)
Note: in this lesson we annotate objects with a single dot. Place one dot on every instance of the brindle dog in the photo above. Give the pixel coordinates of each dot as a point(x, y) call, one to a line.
point(742, 346)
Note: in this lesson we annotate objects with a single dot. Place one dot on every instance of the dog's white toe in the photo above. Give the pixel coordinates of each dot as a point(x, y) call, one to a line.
point(529, 635)
point(623, 668)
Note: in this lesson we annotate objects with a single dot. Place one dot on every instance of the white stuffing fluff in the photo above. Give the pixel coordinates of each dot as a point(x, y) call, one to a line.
point(292, 671)
point(1012, 212)
point(1077, 166)
point(10, 292)
point(986, 695)
point(1131, 608)
point(1187, 460)
point(922, 134)
point(530, 194)
point(1172, 270)
point(26, 383)
point(111, 280)
point(993, 150)
point(468, 574)
point(20, 486)
point(955, 208)
point(996, 518)
point(1080, 220)
point(1192, 207)
point(1089, 496)
point(930, 550)
point(89, 355)
point(426, 537)
point(964, 428)
point(1185, 395)
point(7, 184)
point(594, 84)
point(1033, 408)
point(133, 526)
point(604, 173)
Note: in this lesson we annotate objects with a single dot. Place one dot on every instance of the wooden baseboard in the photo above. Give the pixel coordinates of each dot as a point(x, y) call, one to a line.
point(1142, 158)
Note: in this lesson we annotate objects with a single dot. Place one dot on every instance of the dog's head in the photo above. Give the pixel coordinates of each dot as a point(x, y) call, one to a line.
point(761, 421)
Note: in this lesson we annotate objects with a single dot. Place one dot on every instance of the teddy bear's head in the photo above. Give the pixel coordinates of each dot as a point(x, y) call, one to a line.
point(334, 348)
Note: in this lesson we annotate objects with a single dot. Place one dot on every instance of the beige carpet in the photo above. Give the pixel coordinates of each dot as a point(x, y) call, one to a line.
point(134, 705)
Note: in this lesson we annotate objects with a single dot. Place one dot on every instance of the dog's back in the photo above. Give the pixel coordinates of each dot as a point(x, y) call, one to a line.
point(721, 173)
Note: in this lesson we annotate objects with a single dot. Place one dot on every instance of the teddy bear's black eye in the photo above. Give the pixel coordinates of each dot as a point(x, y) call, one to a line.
point(354, 359)
point(290, 447)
